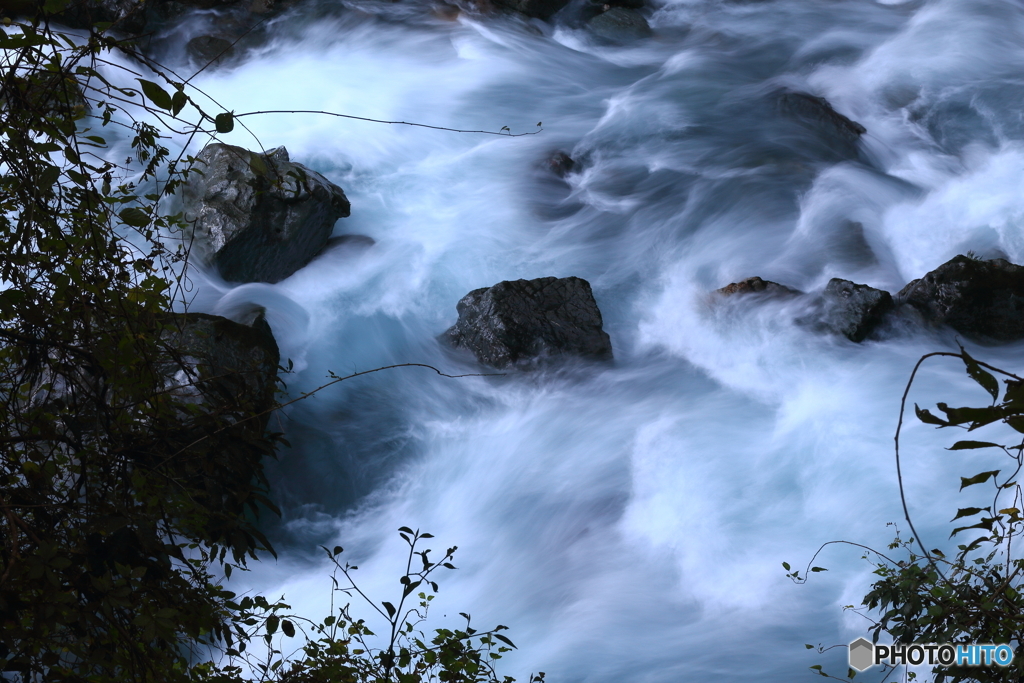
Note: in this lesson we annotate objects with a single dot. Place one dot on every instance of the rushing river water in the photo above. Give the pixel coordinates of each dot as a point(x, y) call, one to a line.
point(629, 521)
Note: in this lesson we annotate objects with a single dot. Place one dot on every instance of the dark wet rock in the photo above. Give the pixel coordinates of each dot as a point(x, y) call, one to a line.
point(524, 320)
point(259, 217)
point(561, 164)
point(620, 25)
point(125, 16)
point(207, 49)
point(818, 113)
point(222, 362)
point(360, 241)
point(853, 310)
point(980, 299)
point(541, 9)
point(202, 359)
point(755, 285)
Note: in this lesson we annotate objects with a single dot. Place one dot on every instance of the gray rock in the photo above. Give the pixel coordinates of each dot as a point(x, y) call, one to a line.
point(755, 285)
point(620, 25)
point(980, 299)
point(259, 217)
point(526, 320)
point(853, 310)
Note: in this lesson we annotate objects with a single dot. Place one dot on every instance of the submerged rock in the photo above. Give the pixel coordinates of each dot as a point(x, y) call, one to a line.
point(818, 111)
point(206, 49)
point(853, 310)
point(620, 25)
point(540, 9)
point(259, 217)
point(524, 320)
point(755, 285)
point(561, 164)
point(980, 299)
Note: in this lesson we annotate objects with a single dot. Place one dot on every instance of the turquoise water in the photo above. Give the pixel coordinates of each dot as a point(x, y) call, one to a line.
point(629, 522)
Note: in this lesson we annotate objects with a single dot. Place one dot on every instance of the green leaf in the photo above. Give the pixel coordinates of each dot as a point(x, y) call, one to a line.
point(967, 512)
point(137, 218)
point(155, 94)
point(257, 165)
point(965, 445)
point(985, 523)
point(49, 176)
point(982, 377)
point(976, 479)
point(504, 639)
point(785, 565)
point(818, 569)
point(288, 628)
point(225, 122)
point(55, 6)
point(272, 623)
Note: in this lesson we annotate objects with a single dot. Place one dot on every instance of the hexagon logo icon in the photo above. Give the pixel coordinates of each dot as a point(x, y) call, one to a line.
point(862, 654)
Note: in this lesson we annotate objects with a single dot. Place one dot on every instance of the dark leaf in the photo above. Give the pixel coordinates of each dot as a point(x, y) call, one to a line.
point(965, 445)
point(976, 479)
point(137, 218)
point(967, 512)
point(225, 122)
point(178, 102)
point(982, 377)
point(155, 94)
point(926, 417)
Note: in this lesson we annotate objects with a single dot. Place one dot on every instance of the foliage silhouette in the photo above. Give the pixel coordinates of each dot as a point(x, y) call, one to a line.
point(975, 596)
point(128, 488)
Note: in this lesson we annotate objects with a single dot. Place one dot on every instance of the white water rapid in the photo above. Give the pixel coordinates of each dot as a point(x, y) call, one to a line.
point(628, 522)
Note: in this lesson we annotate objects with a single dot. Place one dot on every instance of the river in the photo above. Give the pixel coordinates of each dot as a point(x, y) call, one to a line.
point(629, 521)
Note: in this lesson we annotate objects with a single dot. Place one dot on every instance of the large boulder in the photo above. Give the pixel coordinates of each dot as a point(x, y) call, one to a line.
point(526, 320)
point(853, 310)
point(978, 298)
point(259, 217)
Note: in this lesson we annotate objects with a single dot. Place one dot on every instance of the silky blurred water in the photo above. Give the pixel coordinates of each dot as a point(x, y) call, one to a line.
point(629, 521)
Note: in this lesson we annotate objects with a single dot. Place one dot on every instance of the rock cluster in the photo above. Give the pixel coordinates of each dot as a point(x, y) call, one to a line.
point(259, 217)
point(980, 299)
point(527, 320)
